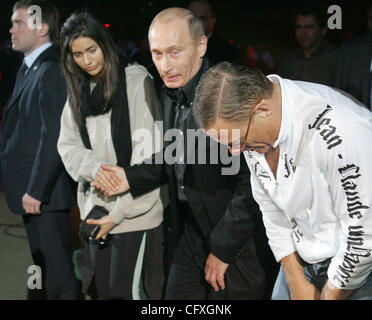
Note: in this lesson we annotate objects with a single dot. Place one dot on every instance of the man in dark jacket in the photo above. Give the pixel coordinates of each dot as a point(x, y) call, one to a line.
point(35, 182)
point(354, 68)
point(315, 59)
point(215, 257)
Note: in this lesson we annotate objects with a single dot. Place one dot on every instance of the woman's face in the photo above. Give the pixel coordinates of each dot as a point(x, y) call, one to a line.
point(88, 56)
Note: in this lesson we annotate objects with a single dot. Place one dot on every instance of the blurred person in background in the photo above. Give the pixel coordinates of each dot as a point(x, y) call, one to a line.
point(354, 68)
point(315, 60)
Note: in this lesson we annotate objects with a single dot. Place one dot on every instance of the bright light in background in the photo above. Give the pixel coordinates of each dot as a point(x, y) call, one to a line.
point(107, 25)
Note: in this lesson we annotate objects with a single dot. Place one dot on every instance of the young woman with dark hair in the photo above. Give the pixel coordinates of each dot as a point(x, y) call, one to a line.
point(108, 100)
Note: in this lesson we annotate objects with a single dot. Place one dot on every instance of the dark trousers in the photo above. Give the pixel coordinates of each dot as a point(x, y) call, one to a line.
point(114, 263)
point(51, 249)
point(186, 274)
point(244, 279)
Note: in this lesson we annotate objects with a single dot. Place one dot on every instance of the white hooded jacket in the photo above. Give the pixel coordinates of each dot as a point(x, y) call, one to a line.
point(320, 202)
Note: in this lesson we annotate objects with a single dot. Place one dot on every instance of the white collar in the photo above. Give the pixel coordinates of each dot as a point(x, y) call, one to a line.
point(286, 124)
point(31, 58)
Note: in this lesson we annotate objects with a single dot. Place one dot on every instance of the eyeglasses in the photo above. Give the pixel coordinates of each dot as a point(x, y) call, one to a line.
point(244, 146)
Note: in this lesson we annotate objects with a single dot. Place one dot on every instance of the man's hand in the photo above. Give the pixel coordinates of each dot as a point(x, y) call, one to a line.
point(111, 180)
point(305, 291)
point(330, 292)
point(30, 204)
point(215, 272)
point(105, 223)
point(299, 287)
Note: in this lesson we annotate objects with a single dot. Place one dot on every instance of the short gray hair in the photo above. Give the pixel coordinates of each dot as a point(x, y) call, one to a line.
point(229, 92)
point(195, 25)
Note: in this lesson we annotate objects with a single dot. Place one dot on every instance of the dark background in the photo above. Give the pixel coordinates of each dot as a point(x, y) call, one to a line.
point(242, 22)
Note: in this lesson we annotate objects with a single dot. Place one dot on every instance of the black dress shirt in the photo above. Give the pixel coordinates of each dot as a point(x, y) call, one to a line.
point(182, 102)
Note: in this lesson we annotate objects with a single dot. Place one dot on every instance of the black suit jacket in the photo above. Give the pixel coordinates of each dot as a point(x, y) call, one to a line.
point(222, 205)
point(353, 69)
point(30, 162)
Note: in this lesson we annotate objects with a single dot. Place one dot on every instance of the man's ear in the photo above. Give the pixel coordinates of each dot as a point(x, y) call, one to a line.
point(263, 109)
point(324, 31)
point(203, 43)
point(43, 30)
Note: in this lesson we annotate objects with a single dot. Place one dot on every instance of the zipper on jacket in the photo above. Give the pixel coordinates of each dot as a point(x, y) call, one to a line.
point(276, 188)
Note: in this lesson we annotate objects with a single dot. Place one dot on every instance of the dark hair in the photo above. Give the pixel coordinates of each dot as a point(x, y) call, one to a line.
point(83, 24)
point(209, 3)
point(229, 92)
point(49, 15)
point(315, 9)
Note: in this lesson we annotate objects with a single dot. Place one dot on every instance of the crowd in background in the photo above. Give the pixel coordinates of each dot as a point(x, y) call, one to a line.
point(259, 48)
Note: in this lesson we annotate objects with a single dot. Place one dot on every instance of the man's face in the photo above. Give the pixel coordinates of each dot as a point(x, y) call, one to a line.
point(308, 32)
point(175, 54)
point(204, 12)
point(250, 135)
point(23, 38)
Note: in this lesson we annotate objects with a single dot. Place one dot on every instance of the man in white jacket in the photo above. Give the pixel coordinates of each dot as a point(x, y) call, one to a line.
point(307, 147)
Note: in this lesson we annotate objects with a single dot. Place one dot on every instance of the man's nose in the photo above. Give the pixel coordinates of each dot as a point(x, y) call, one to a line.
point(235, 151)
point(166, 65)
point(301, 30)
